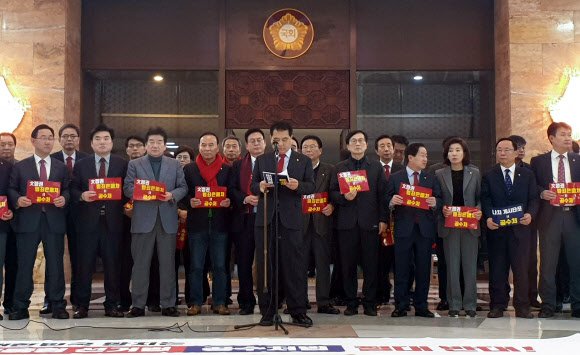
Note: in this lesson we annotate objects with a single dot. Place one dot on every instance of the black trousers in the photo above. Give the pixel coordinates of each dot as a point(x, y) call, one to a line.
point(245, 247)
point(412, 250)
point(54, 285)
point(533, 264)
point(10, 269)
point(125, 264)
point(292, 263)
point(350, 242)
point(506, 249)
point(104, 242)
point(385, 265)
point(182, 257)
point(336, 287)
point(319, 247)
point(72, 241)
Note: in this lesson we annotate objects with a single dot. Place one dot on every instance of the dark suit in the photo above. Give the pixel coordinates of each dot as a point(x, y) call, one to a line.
point(415, 230)
point(557, 226)
point(5, 169)
point(36, 223)
point(386, 259)
point(293, 257)
point(242, 227)
point(205, 234)
point(100, 232)
point(357, 224)
point(72, 219)
point(509, 246)
point(317, 229)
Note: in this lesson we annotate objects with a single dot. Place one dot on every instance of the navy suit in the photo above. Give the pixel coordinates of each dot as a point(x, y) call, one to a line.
point(36, 223)
point(5, 169)
point(415, 230)
point(559, 228)
point(101, 231)
point(509, 246)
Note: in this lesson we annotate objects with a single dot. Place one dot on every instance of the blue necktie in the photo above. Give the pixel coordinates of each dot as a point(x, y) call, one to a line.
point(508, 181)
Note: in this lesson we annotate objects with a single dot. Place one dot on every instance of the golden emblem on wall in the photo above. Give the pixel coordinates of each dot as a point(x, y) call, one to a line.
point(288, 33)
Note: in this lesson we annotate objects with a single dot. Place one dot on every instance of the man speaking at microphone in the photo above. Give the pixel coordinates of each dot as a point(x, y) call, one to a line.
point(293, 259)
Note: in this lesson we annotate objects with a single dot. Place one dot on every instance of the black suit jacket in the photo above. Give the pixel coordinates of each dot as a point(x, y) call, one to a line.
point(197, 218)
point(396, 167)
point(405, 216)
point(322, 224)
point(368, 208)
point(494, 194)
point(290, 201)
point(60, 156)
point(5, 169)
point(238, 194)
point(542, 168)
point(90, 212)
point(27, 219)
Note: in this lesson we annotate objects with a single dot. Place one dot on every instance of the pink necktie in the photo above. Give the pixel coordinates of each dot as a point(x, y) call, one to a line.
point(561, 170)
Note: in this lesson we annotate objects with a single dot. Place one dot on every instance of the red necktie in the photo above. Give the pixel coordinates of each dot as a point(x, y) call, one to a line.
point(69, 165)
point(43, 176)
point(281, 163)
point(387, 172)
point(102, 169)
point(561, 170)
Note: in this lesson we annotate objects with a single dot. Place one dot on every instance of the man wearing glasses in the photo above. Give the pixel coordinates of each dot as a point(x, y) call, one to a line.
point(69, 141)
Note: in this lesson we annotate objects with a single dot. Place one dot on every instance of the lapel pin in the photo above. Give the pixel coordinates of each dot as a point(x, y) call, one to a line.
point(470, 173)
point(519, 174)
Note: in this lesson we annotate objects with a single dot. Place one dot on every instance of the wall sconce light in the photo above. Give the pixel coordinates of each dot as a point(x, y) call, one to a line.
point(12, 109)
point(567, 107)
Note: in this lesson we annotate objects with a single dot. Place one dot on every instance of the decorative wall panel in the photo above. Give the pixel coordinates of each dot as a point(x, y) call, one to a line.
point(307, 99)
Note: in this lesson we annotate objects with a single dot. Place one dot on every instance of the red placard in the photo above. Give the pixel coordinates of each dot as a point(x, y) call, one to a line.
point(462, 217)
point(42, 191)
point(106, 188)
point(568, 193)
point(353, 180)
point(148, 190)
point(314, 203)
point(415, 196)
point(129, 205)
point(210, 197)
point(181, 236)
point(388, 237)
point(3, 205)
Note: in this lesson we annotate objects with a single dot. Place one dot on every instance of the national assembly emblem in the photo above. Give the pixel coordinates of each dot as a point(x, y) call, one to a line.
point(288, 33)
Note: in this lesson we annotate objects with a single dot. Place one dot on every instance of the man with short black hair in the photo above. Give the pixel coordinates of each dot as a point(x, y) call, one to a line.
point(232, 149)
point(400, 144)
point(5, 169)
point(8, 147)
point(37, 223)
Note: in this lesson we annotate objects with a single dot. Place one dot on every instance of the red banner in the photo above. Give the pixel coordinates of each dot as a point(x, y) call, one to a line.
point(181, 236)
point(415, 196)
point(314, 203)
point(42, 191)
point(210, 197)
point(148, 190)
point(3, 205)
point(353, 180)
point(106, 189)
point(462, 217)
point(568, 193)
point(388, 237)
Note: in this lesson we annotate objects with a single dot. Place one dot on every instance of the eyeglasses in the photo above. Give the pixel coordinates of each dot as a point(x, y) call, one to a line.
point(138, 145)
point(69, 136)
point(501, 151)
point(182, 157)
point(45, 138)
point(355, 141)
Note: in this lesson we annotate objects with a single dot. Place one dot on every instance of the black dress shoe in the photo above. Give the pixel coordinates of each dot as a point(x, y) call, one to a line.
point(246, 310)
point(370, 311)
point(154, 308)
point(17, 315)
point(546, 312)
point(495, 313)
point(302, 319)
point(524, 314)
point(267, 320)
point(170, 312)
point(399, 313)
point(46, 309)
point(443, 306)
point(576, 313)
point(350, 311)
point(60, 314)
point(81, 312)
point(114, 313)
point(424, 313)
point(136, 312)
point(328, 309)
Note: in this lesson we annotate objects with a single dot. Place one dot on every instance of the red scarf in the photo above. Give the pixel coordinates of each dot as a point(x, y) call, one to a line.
point(209, 172)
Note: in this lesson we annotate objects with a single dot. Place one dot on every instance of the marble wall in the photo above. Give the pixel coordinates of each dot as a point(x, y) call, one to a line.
point(535, 41)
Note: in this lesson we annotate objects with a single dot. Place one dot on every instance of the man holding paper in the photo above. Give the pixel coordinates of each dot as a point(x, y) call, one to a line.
point(510, 200)
point(155, 182)
point(358, 191)
point(208, 180)
point(559, 224)
point(5, 215)
point(414, 196)
point(96, 191)
point(293, 257)
point(39, 190)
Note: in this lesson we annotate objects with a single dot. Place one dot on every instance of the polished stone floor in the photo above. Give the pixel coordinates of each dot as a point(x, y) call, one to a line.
point(209, 325)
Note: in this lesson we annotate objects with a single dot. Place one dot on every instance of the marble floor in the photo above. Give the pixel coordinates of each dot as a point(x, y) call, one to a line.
point(209, 325)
